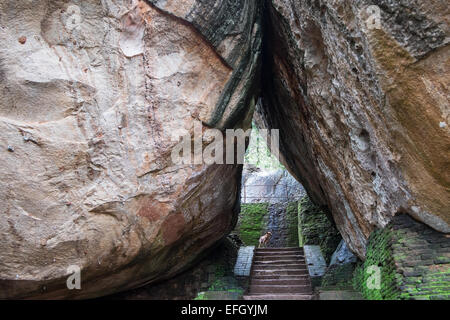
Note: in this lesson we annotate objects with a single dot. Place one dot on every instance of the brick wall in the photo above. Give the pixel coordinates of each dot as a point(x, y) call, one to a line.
point(414, 261)
point(315, 228)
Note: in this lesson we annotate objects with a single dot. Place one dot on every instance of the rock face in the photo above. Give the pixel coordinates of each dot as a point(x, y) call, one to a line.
point(90, 94)
point(342, 255)
point(361, 101)
point(274, 186)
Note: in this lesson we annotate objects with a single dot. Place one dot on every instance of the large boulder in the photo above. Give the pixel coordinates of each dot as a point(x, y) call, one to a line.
point(359, 91)
point(90, 94)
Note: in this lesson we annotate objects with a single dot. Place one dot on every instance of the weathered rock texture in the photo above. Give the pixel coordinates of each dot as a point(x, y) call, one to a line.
point(363, 112)
point(90, 94)
point(274, 186)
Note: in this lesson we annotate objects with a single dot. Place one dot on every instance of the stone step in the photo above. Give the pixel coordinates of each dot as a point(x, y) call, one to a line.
point(278, 253)
point(280, 248)
point(293, 289)
point(278, 297)
point(262, 256)
point(285, 272)
point(281, 277)
point(291, 249)
point(279, 274)
point(271, 262)
point(279, 266)
point(271, 281)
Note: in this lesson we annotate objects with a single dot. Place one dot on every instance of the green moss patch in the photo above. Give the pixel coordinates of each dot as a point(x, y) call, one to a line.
point(252, 222)
point(413, 260)
point(339, 277)
point(314, 228)
point(292, 223)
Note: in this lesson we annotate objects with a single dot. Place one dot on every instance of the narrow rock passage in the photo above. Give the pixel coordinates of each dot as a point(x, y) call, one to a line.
point(279, 274)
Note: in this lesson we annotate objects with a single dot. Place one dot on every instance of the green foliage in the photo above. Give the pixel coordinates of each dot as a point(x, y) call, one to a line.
point(252, 222)
point(200, 296)
point(314, 228)
point(292, 222)
point(258, 154)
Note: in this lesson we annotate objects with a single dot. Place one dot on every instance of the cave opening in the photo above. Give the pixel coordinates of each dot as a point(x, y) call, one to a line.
point(269, 195)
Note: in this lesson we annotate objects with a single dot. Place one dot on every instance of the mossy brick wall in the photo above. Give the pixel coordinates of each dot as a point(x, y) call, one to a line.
point(252, 222)
point(292, 223)
point(379, 253)
point(339, 276)
point(314, 228)
point(414, 261)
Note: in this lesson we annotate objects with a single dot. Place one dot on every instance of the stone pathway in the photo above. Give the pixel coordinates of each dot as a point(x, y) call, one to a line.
point(279, 274)
point(339, 294)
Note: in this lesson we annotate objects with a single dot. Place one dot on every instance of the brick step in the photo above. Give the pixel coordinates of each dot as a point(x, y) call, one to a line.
point(262, 256)
point(266, 289)
point(278, 297)
point(284, 272)
point(270, 262)
point(270, 281)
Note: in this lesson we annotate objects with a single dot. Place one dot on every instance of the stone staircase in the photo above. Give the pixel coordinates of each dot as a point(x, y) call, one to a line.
point(279, 274)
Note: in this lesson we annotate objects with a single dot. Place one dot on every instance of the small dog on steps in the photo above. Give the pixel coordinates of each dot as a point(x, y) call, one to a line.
point(264, 240)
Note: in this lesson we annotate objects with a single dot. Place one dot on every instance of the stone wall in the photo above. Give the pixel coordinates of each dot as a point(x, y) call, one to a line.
point(414, 261)
point(338, 276)
point(314, 228)
point(292, 224)
point(279, 218)
point(251, 223)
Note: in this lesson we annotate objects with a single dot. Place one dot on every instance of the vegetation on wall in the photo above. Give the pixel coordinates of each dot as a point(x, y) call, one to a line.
point(314, 228)
point(379, 255)
point(252, 222)
point(292, 222)
point(413, 260)
point(339, 276)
